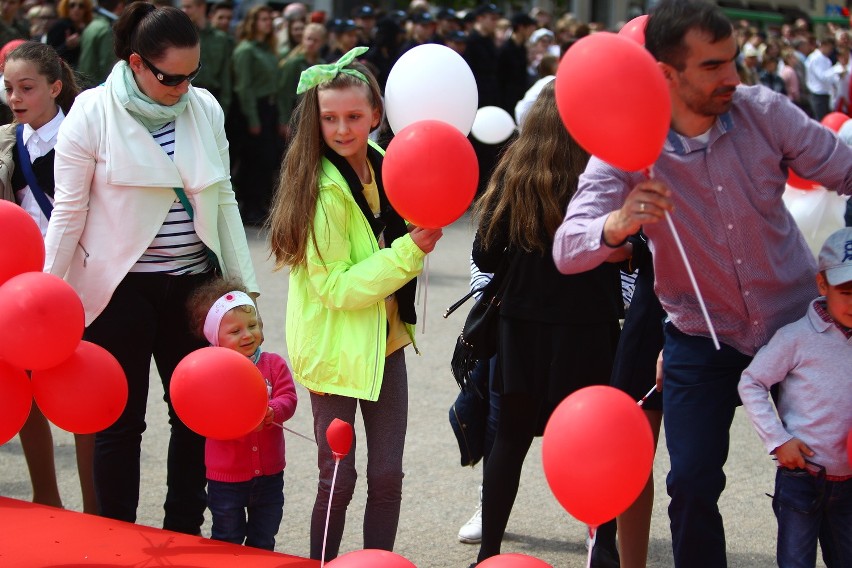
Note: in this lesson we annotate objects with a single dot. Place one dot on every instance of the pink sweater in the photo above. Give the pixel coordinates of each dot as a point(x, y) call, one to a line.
point(257, 453)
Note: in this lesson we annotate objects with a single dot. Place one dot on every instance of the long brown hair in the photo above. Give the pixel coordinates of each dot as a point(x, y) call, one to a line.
point(63, 10)
point(291, 221)
point(248, 28)
point(533, 181)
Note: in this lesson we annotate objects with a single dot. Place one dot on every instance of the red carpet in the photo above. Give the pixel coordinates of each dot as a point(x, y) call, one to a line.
point(35, 536)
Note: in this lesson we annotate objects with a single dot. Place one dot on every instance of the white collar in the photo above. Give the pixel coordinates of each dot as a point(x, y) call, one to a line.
point(48, 131)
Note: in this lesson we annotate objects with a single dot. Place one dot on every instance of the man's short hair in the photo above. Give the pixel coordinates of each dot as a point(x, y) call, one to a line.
point(222, 6)
point(672, 19)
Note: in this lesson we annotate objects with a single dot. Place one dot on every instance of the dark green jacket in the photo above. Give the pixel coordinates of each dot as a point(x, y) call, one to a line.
point(216, 74)
point(255, 77)
point(288, 79)
point(96, 51)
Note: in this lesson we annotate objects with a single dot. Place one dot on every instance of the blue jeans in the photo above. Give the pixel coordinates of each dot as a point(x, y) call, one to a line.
point(486, 384)
point(809, 508)
point(700, 396)
point(247, 511)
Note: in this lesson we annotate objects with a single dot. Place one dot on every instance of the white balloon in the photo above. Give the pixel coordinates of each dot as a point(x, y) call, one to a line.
point(431, 82)
point(818, 213)
point(492, 125)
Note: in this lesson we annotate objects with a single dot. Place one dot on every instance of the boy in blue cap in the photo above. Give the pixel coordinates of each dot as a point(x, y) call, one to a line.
point(811, 362)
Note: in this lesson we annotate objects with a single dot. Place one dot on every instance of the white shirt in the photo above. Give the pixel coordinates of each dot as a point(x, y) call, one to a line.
point(523, 106)
point(38, 142)
point(817, 75)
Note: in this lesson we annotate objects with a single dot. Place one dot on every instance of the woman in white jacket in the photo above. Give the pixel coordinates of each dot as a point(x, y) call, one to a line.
point(144, 211)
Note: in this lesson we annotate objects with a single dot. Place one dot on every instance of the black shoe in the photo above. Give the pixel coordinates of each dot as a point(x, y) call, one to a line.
point(605, 558)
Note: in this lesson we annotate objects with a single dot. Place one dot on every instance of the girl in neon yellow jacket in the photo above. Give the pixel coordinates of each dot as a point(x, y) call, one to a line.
point(350, 308)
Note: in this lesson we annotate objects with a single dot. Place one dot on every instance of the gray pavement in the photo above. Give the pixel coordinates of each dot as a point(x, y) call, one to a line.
point(438, 495)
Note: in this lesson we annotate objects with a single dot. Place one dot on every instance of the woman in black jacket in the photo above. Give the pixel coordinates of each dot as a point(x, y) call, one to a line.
point(557, 333)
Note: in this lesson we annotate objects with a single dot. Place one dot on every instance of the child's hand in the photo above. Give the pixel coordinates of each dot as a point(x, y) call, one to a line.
point(425, 239)
point(267, 419)
point(791, 454)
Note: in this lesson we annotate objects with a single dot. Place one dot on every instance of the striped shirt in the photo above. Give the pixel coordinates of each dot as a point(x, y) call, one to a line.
point(176, 249)
point(753, 266)
point(478, 279)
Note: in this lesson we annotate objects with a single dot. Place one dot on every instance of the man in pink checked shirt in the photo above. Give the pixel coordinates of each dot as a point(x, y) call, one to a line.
point(720, 176)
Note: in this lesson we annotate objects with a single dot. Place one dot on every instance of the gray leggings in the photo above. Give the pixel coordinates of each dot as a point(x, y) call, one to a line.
point(385, 423)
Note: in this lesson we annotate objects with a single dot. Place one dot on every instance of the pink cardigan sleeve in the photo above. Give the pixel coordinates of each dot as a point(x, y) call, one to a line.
point(283, 400)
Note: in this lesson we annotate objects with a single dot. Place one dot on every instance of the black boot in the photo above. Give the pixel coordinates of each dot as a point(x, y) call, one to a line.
point(605, 552)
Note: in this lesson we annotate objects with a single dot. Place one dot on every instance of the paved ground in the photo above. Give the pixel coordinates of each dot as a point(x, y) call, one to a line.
point(439, 495)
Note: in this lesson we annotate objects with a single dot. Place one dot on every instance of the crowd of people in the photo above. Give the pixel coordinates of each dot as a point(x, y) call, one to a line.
point(128, 123)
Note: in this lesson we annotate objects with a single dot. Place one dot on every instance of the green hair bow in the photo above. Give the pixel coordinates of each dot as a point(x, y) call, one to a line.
point(313, 76)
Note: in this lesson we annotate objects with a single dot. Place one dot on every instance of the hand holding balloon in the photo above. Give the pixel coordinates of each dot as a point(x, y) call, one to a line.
point(425, 239)
point(647, 203)
point(267, 419)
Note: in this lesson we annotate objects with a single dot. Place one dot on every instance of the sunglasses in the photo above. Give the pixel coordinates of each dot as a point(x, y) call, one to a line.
point(170, 80)
point(72, 5)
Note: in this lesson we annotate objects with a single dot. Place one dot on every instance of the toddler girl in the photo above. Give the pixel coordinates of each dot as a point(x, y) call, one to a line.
point(245, 477)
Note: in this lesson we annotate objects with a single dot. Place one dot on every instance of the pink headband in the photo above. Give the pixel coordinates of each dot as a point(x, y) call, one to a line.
point(218, 310)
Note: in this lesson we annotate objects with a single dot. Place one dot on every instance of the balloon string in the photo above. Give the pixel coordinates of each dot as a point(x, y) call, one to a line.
point(425, 292)
point(644, 398)
point(649, 172)
point(593, 536)
point(293, 432)
point(328, 511)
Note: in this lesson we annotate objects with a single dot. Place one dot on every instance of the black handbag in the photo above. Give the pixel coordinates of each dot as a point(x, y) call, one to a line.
point(478, 338)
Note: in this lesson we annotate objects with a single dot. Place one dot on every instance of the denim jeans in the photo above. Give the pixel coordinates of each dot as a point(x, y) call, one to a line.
point(247, 511)
point(700, 397)
point(809, 508)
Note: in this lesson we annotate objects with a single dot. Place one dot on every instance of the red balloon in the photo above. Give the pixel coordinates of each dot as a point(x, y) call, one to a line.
point(371, 558)
point(598, 451)
point(21, 243)
point(513, 561)
point(85, 393)
point(16, 400)
point(430, 173)
point(848, 446)
point(339, 435)
point(834, 120)
point(635, 29)
point(41, 320)
point(614, 100)
point(219, 393)
point(794, 180)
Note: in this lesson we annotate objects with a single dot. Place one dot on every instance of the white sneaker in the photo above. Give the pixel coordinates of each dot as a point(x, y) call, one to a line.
point(471, 532)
